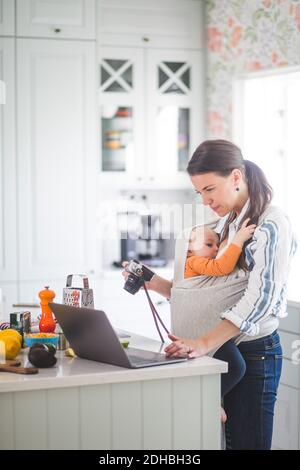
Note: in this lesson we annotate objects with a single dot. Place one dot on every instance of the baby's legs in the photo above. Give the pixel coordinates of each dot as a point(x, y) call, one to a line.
point(230, 353)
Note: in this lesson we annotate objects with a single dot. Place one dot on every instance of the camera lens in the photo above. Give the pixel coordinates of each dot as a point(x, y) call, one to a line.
point(133, 284)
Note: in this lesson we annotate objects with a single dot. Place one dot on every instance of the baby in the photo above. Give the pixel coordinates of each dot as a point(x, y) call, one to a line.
point(204, 246)
point(202, 250)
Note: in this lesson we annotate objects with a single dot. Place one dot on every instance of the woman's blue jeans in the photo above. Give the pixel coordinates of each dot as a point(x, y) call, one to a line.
point(250, 404)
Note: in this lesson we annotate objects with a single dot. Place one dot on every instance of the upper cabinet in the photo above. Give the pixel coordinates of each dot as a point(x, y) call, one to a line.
point(64, 19)
point(7, 17)
point(174, 104)
point(150, 91)
point(151, 106)
point(121, 114)
point(155, 23)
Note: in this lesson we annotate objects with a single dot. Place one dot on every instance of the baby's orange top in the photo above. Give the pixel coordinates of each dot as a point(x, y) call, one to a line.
point(198, 265)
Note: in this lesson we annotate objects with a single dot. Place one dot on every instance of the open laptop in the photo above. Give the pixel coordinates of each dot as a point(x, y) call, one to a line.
point(92, 336)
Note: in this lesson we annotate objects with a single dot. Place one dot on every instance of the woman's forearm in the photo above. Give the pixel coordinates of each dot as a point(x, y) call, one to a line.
point(220, 334)
point(161, 286)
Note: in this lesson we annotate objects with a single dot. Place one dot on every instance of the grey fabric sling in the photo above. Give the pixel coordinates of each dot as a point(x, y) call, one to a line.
point(197, 302)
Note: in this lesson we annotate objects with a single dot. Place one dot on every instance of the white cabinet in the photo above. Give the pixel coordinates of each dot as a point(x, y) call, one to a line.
point(61, 19)
point(29, 293)
point(8, 225)
point(155, 23)
point(150, 113)
point(287, 411)
point(286, 423)
point(120, 101)
point(174, 104)
point(56, 155)
point(8, 297)
point(7, 17)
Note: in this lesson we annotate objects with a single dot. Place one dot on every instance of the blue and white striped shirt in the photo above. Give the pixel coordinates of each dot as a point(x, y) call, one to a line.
point(268, 257)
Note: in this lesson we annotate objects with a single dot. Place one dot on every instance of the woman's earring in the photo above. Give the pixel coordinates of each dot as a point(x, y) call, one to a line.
point(237, 189)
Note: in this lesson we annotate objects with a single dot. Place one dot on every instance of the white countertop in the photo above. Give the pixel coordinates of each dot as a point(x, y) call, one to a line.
point(72, 372)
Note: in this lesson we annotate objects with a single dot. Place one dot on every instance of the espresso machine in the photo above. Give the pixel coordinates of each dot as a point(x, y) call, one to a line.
point(145, 242)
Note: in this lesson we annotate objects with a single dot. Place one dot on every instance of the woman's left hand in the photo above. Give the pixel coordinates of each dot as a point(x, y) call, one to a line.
point(184, 347)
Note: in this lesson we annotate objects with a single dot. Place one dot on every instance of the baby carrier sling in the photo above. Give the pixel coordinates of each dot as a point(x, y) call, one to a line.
point(197, 302)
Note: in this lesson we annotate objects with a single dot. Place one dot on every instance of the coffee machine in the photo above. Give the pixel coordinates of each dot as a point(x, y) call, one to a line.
point(144, 242)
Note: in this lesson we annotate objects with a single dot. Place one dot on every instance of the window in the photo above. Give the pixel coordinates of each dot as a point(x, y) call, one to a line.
point(266, 127)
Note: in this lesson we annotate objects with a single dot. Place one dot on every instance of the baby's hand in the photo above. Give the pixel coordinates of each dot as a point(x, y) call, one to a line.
point(244, 234)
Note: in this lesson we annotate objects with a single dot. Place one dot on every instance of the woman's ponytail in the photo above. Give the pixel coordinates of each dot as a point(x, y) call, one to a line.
point(260, 192)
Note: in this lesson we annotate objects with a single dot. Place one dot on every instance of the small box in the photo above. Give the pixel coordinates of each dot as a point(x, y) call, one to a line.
point(78, 296)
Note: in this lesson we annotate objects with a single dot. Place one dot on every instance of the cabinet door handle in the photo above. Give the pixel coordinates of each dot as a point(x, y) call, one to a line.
point(26, 305)
point(145, 39)
point(57, 30)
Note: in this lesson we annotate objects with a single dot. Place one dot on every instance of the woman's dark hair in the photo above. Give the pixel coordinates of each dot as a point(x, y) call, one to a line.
point(221, 157)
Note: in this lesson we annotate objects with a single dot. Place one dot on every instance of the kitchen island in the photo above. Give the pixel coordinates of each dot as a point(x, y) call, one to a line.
point(81, 404)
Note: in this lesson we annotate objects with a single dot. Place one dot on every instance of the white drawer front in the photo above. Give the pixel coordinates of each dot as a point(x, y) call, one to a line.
point(7, 18)
point(290, 374)
point(286, 420)
point(157, 23)
point(292, 321)
point(56, 18)
point(290, 345)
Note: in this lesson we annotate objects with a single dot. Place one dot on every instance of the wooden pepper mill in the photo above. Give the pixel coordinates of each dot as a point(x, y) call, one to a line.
point(47, 323)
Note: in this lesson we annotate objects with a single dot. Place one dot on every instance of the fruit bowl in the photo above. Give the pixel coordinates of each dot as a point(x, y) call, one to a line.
point(42, 338)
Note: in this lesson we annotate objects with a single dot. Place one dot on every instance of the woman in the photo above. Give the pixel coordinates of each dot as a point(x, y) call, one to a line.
point(237, 189)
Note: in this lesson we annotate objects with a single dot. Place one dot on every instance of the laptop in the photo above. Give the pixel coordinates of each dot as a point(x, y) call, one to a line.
point(92, 336)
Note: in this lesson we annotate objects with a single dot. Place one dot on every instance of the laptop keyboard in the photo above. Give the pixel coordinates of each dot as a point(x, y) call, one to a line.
point(141, 360)
point(141, 356)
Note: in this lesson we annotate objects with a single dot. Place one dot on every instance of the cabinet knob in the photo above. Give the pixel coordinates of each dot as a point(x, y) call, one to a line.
point(57, 30)
point(145, 39)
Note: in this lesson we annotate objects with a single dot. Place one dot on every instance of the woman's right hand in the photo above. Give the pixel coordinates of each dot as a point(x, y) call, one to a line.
point(244, 233)
point(125, 274)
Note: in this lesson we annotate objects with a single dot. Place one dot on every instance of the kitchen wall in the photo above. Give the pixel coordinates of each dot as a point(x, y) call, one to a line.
point(245, 36)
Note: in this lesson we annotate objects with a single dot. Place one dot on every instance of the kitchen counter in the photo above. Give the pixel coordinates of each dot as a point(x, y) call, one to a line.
point(70, 372)
point(81, 404)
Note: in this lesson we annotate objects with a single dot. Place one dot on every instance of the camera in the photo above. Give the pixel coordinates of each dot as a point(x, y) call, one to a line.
point(138, 274)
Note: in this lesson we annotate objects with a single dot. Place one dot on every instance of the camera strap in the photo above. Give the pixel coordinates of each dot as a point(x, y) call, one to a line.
point(155, 315)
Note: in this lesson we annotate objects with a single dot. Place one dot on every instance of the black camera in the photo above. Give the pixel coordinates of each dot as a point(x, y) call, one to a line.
point(138, 274)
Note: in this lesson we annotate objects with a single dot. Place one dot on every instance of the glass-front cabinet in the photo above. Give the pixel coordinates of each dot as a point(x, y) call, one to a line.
point(150, 115)
point(117, 137)
point(120, 114)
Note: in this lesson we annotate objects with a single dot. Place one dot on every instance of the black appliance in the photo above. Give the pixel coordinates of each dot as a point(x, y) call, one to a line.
point(146, 243)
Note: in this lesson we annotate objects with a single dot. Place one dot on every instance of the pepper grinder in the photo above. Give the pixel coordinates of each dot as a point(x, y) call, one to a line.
point(47, 323)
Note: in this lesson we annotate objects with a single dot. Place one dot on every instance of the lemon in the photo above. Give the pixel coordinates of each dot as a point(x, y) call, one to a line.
point(10, 332)
point(12, 346)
